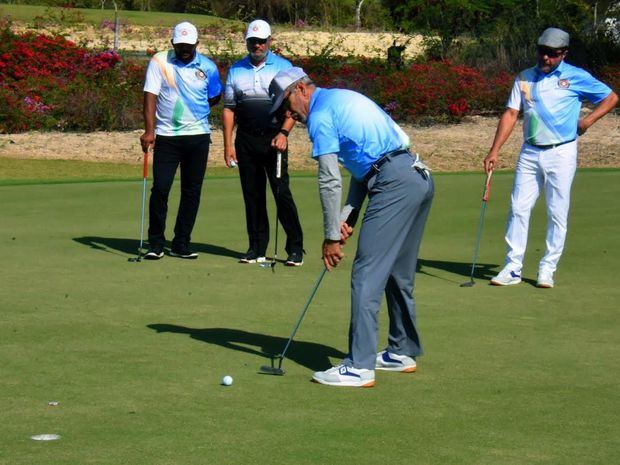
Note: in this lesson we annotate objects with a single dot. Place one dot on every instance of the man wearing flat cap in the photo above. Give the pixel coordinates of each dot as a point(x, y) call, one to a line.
point(348, 128)
point(181, 86)
point(550, 96)
point(259, 138)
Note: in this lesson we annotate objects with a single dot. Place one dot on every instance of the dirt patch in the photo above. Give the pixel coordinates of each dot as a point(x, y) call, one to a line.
point(454, 147)
point(290, 43)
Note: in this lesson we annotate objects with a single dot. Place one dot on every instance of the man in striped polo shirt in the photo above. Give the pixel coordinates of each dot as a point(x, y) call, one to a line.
point(259, 138)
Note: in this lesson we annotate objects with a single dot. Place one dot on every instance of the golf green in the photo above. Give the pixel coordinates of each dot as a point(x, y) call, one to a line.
point(134, 353)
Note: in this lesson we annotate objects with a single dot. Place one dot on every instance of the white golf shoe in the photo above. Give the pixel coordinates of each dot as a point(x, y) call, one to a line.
point(391, 362)
point(506, 277)
point(545, 279)
point(342, 375)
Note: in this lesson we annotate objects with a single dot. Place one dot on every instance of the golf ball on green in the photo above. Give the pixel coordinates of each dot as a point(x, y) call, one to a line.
point(227, 380)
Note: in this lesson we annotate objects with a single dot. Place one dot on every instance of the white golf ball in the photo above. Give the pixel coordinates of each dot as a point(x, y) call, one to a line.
point(232, 163)
point(227, 380)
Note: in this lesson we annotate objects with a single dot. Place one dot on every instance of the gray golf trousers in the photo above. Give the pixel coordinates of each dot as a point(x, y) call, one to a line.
point(399, 201)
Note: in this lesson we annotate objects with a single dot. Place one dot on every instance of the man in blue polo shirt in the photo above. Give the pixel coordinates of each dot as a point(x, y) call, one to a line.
point(349, 128)
point(259, 137)
point(180, 88)
point(550, 95)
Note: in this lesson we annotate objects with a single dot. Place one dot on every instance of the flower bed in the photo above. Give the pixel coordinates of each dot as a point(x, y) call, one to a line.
point(50, 83)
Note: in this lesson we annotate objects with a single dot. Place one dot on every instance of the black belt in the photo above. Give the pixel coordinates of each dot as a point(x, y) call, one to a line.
point(376, 166)
point(551, 146)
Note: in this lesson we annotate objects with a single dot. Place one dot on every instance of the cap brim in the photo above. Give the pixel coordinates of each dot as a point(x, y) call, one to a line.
point(256, 36)
point(278, 103)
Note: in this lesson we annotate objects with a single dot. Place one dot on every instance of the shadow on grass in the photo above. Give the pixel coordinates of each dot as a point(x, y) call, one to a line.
point(115, 245)
point(308, 354)
point(483, 271)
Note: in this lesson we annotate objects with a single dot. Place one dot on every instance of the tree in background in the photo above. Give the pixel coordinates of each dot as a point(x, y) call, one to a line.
point(502, 33)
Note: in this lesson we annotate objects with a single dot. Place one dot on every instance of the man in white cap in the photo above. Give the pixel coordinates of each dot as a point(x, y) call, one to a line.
point(180, 88)
point(259, 138)
point(550, 95)
point(347, 127)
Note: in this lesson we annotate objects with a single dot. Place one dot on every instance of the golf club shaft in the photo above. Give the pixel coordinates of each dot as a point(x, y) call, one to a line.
point(278, 176)
point(302, 314)
point(145, 173)
point(485, 198)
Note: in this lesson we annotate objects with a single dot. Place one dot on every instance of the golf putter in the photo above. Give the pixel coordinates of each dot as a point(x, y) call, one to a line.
point(277, 370)
point(145, 173)
point(278, 176)
point(485, 198)
point(273, 262)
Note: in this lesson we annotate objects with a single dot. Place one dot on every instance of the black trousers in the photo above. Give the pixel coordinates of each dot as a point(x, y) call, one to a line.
point(257, 164)
point(191, 152)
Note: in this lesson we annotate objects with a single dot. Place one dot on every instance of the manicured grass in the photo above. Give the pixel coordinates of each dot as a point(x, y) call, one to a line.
point(28, 13)
point(15, 171)
point(134, 352)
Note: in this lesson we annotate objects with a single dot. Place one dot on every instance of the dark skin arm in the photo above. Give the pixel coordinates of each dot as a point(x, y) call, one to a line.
point(148, 138)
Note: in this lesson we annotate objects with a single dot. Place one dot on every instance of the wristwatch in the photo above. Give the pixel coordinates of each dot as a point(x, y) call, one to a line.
point(284, 131)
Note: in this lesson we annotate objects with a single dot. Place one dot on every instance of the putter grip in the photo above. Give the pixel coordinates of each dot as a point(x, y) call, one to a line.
point(279, 165)
point(487, 187)
point(145, 167)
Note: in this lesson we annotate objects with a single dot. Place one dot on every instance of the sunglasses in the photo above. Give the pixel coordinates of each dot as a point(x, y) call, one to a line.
point(550, 52)
point(255, 41)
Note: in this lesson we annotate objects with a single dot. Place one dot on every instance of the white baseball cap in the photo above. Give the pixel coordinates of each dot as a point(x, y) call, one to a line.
point(185, 33)
point(281, 82)
point(259, 29)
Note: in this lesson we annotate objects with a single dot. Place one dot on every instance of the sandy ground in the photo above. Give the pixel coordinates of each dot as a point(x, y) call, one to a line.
point(291, 43)
point(456, 147)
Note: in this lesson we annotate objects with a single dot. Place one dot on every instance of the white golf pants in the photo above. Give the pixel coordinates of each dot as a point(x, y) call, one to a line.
point(553, 170)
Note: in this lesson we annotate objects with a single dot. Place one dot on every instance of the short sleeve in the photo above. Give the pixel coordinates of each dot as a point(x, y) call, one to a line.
point(154, 77)
point(215, 85)
point(323, 134)
point(514, 100)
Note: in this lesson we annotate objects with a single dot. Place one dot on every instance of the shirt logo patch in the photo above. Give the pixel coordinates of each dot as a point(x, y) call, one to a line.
point(563, 83)
point(201, 75)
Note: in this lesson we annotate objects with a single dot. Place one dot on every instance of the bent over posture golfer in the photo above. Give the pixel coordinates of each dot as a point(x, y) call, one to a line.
point(550, 95)
point(349, 128)
point(181, 86)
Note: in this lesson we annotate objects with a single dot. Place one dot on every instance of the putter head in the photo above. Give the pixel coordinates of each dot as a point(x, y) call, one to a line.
point(134, 259)
point(273, 369)
point(267, 370)
point(468, 284)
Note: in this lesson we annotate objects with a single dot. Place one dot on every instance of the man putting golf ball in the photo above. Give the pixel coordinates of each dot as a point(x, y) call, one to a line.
point(347, 127)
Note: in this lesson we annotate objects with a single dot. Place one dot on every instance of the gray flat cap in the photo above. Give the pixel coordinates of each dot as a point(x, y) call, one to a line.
point(554, 38)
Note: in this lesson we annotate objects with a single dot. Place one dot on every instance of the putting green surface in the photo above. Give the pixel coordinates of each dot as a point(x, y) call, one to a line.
point(134, 352)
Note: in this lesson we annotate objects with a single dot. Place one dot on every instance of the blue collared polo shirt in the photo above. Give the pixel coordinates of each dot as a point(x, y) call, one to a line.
point(183, 92)
point(551, 102)
point(353, 127)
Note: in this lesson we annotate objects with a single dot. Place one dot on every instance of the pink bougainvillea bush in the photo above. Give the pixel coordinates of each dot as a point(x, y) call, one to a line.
point(48, 82)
